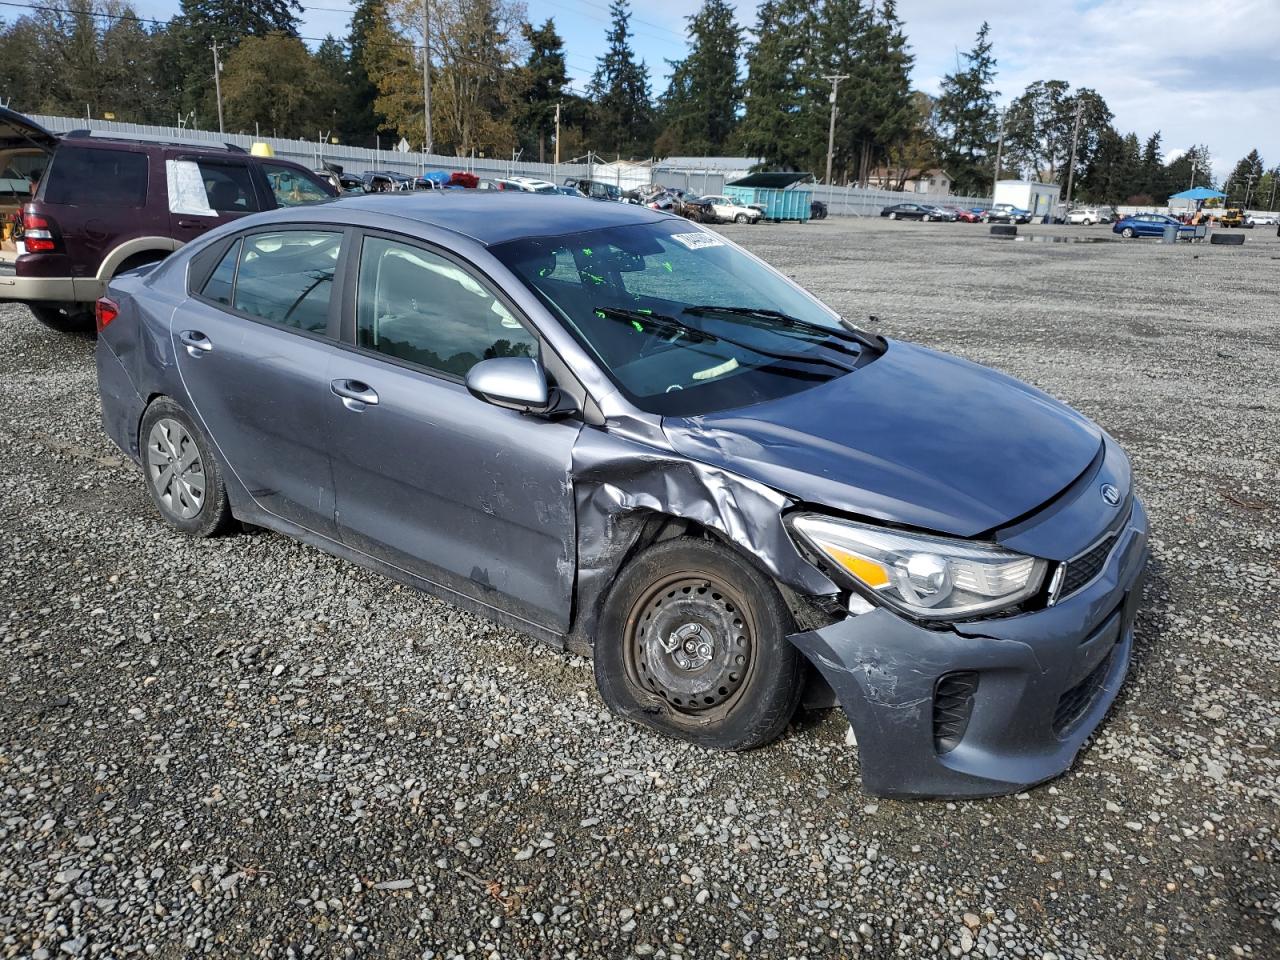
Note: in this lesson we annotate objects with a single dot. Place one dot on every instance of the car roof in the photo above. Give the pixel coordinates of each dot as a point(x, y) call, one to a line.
point(471, 213)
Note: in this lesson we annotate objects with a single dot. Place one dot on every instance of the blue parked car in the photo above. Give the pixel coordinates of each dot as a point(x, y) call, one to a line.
point(607, 427)
point(1149, 225)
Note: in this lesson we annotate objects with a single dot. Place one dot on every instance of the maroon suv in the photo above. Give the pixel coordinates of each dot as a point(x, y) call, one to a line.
point(83, 209)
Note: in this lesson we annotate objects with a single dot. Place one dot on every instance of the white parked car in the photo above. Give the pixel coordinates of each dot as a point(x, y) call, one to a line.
point(1264, 219)
point(528, 185)
point(1089, 215)
point(730, 210)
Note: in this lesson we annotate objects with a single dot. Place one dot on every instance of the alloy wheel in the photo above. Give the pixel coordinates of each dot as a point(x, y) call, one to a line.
point(175, 469)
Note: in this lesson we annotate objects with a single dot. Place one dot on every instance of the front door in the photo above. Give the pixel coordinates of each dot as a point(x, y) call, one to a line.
point(467, 495)
point(254, 351)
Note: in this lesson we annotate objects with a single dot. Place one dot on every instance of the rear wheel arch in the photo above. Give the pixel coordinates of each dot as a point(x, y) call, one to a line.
point(135, 253)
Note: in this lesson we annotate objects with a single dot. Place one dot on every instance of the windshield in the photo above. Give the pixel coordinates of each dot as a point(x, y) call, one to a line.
point(683, 322)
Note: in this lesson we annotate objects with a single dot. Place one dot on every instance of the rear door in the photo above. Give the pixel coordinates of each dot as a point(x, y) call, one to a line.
point(431, 480)
point(255, 345)
point(206, 192)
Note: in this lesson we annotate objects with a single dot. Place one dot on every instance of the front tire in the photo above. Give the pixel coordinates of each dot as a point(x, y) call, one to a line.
point(893, 216)
point(693, 643)
point(1127, 233)
point(740, 218)
point(182, 476)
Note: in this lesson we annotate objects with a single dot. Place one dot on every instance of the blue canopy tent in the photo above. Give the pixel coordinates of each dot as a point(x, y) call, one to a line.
point(1199, 193)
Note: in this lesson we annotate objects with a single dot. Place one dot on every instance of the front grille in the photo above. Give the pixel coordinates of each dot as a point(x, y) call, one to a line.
point(1073, 703)
point(1082, 569)
point(952, 707)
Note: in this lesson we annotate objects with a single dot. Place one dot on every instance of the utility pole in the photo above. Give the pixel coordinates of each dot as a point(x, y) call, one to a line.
point(557, 160)
point(1271, 204)
point(1075, 139)
point(834, 79)
point(217, 82)
point(426, 74)
point(1248, 188)
point(1194, 161)
point(999, 154)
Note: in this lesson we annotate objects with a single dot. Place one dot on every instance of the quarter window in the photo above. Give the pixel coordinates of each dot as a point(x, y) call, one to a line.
point(419, 307)
point(218, 287)
point(287, 277)
point(96, 176)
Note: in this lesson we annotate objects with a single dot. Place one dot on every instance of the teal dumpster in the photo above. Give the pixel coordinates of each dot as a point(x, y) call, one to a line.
point(780, 195)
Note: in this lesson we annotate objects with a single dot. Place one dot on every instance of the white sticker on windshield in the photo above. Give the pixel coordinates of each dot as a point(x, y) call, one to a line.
point(698, 241)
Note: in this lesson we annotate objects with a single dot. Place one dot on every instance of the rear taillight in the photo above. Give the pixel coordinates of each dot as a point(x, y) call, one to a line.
point(37, 233)
point(104, 311)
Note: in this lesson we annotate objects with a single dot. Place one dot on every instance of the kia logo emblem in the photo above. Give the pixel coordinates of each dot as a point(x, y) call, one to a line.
point(1110, 494)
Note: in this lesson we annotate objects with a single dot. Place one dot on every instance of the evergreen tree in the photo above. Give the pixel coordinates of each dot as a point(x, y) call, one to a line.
point(700, 107)
point(357, 123)
point(542, 85)
point(1151, 179)
point(775, 85)
point(620, 89)
point(271, 81)
point(1245, 178)
point(881, 91)
point(966, 118)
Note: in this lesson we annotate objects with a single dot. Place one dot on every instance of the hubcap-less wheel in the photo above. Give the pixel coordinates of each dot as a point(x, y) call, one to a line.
point(175, 469)
point(893, 216)
point(1127, 233)
point(741, 218)
point(690, 641)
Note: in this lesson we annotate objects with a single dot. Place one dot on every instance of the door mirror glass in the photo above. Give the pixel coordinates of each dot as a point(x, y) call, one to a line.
point(517, 383)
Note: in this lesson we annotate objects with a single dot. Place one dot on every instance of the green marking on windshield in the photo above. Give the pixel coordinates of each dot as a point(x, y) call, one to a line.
point(666, 264)
point(643, 310)
point(586, 251)
point(602, 315)
point(595, 278)
point(638, 325)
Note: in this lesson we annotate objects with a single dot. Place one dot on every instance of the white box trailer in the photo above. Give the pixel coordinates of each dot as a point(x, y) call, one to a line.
point(1041, 199)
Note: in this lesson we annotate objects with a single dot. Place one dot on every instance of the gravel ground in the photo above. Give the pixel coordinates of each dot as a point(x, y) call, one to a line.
point(244, 747)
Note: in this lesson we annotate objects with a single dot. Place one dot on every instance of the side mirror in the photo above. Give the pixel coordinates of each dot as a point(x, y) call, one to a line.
point(517, 383)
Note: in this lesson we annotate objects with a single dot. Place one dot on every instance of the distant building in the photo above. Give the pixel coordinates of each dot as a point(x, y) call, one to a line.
point(935, 180)
point(703, 175)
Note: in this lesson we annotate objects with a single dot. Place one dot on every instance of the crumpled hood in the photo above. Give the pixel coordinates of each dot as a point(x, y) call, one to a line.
point(915, 437)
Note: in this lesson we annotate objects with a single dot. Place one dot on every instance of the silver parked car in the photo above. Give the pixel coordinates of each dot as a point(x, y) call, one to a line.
point(611, 428)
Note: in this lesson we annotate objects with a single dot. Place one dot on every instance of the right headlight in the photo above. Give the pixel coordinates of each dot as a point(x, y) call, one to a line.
point(927, 577)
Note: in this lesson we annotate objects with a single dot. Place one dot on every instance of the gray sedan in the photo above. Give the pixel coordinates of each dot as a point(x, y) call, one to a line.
point(612, 429)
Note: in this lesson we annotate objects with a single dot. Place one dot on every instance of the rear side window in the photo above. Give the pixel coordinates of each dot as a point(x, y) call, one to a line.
point(203, 187)
point(287, 277)
point(97, 177)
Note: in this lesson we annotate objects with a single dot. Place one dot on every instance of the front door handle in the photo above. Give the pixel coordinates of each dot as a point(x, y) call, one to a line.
point(355, 394)
point(195, 342)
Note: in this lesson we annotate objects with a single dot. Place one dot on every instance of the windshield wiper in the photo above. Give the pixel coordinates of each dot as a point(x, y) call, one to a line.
point(767, 319)
point(661, 324)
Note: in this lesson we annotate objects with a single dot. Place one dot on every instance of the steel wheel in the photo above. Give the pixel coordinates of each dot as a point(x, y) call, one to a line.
point(893, 216)
point(691, 642)
point(175, 469)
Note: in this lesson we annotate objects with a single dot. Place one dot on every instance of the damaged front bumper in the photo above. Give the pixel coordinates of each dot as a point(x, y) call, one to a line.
point(989, 706)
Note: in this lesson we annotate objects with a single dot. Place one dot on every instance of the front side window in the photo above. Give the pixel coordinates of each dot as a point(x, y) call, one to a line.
point(99, 177)
point(683, 322)
point(419, 307)
point(292, 187)
point(287, 277)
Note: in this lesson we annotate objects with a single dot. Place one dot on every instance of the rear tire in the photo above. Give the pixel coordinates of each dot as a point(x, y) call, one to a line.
point(64, 317)
point(693, 643)
point(182, 476)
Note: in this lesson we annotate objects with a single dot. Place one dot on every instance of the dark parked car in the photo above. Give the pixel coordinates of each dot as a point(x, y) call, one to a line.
point(97, 207)
point(695, 208)
point(912, 211)
point(386, 181)
point(614, 430)
point(595, 189)
point(1006, 213)
point(817, 210)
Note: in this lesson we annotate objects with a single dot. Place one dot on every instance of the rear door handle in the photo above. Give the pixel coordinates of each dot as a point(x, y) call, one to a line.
point(195, 342)
point(193, 224)
point(355, 394)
